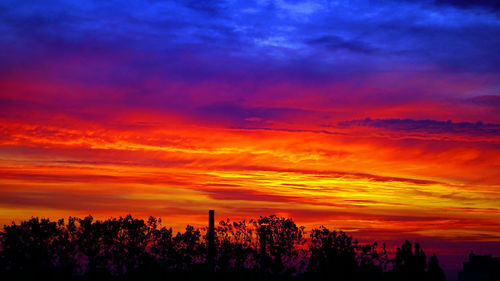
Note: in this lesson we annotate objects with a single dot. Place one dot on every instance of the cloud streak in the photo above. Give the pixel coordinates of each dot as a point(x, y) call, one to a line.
point(429, 126)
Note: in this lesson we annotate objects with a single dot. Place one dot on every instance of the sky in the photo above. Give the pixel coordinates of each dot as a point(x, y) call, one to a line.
point(380, 118)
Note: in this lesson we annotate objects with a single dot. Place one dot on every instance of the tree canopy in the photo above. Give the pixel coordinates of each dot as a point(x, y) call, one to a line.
point(268, 248)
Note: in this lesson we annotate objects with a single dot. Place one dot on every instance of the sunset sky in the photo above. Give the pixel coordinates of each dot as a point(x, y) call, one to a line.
point(382, 120)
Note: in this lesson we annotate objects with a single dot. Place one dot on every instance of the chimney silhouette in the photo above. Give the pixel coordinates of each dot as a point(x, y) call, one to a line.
point(211, 241)
point(263, 236)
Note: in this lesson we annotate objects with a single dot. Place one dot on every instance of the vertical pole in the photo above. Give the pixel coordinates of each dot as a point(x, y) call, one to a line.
point(262, 246)
point(263, 252)
point(211, 241)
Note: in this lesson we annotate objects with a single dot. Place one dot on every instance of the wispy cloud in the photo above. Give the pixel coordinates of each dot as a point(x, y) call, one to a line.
point(429, 126)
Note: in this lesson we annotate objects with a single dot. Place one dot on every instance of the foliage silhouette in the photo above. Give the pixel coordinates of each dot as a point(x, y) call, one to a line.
point(410, 264)
point(335, 256)
point(280, 239)
point(269, 248)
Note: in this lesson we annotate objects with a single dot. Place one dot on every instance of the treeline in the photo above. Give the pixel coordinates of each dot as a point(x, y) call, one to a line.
point(269, 248)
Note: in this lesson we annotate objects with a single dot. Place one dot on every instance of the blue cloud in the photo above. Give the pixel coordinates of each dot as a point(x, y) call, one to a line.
point(428, 126)
point(307, 38)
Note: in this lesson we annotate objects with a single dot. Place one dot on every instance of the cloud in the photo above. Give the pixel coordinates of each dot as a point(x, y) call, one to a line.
point(248, 195)
point(249, 116)
point(487, 100)
point(220, 37)
point(91, 178)
point(71, 200)
point(328, 173)
point(428, 126)
point(207, 6)
point(333, 42)
point(492, 5)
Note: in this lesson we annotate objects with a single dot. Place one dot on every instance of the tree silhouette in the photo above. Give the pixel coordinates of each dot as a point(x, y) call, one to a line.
point(335, 256)
point(236, 245)
point(28, 249)
point(90, 240)
point(281, 239)
point(410, 264)
point(434, 272)
point(270, 247)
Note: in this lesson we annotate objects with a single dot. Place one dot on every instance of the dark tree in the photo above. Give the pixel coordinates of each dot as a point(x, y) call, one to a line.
point(90, 240)
point(411, 264)
point(335, 256)
point(162, 246)
point(408, 264)
point(272, 248)
point(236, 246)
point(434, 271)
point(282, 239)
point(189, 250)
